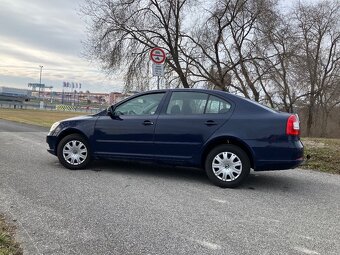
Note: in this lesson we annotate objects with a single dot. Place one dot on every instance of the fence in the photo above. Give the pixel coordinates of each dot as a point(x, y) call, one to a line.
point(32, 106)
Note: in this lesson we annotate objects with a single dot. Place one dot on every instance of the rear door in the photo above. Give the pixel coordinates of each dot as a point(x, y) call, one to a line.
point(186, 122)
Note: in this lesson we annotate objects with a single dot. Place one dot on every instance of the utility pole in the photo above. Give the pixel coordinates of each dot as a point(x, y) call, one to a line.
point(41, 67)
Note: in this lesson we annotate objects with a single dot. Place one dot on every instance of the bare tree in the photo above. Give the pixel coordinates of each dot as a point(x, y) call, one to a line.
point(122, 32)
point(210, 51)
point(319, 36)
point(328, 99)
point(278, 47)
point(205, 46)
point(222, 48)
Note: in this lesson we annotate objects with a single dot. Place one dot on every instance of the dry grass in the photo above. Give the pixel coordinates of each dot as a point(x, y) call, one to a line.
point(8, 246)
point(324, 153)
point(36, 117)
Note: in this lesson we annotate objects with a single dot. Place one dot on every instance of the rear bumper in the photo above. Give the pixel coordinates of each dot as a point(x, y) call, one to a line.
point(285, 154)
point(278, 164)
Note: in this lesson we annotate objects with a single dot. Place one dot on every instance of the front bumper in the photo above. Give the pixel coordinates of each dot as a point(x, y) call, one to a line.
point(52, 144)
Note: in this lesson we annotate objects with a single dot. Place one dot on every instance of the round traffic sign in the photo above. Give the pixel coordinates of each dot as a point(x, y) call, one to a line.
point(157, 55)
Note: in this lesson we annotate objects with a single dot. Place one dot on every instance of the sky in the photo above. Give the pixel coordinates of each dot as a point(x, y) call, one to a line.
point(47, 33)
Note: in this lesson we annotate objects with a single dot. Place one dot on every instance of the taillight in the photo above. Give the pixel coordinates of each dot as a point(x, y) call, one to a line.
point(293, 125)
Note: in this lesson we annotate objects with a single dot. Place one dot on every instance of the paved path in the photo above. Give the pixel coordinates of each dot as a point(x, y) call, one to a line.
point(125, 208)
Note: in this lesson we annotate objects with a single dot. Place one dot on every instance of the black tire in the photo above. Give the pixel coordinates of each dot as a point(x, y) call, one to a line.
point(234, 157)
point(80, 159)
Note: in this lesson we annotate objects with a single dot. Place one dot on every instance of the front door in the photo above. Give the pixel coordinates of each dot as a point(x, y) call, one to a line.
point(130, 132)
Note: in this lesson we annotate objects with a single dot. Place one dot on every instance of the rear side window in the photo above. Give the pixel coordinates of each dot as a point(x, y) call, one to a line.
point(185, 103)
point(217, 105)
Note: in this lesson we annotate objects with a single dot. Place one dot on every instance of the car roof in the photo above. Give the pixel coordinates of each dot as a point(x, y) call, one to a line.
point(210, 91)
point(242, 102)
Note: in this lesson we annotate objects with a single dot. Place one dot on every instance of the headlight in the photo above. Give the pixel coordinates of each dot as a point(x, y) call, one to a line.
point(54, 126)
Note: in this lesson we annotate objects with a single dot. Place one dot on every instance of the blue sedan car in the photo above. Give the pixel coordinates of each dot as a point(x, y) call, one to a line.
point(225, 134)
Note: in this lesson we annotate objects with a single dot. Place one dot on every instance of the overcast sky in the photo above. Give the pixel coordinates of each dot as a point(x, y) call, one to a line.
point(47, 33)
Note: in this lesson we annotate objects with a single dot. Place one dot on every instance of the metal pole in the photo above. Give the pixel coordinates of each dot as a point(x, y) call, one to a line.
point(41, 67)
point(157, 82)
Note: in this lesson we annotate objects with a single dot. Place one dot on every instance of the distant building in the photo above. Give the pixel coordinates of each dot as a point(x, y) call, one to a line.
point(84, 97)
point(71, 97)
point(115, 97)
point(14, 94)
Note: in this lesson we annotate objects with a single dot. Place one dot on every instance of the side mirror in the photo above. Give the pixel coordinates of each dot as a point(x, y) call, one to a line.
point(110, 111)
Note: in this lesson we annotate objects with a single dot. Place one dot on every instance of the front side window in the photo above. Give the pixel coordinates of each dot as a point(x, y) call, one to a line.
point(185, 103)
point(142, 105)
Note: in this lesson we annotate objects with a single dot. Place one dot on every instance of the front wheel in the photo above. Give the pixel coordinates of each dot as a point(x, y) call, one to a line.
point(227, 166)
point(74, 152)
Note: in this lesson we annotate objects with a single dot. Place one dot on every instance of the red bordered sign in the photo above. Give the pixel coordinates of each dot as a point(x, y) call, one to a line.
point(157, 55)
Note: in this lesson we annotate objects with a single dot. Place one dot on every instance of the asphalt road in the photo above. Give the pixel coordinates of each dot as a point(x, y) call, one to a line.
point(130, 208)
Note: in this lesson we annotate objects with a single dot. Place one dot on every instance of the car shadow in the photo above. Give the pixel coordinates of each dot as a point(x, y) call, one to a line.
point(287, 181)
point(269, 181)
point(259, 181)
point(152, 170)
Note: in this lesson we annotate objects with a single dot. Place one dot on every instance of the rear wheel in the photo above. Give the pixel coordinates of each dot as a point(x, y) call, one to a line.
point(74, 152)
point(227, 166)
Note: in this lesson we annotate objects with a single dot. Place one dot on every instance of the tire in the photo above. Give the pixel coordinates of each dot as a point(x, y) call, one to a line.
point(74, 152)
point(231, 166)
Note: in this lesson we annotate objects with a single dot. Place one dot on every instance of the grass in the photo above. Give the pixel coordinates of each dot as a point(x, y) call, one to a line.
point(36, 117)
point(325, 153)
point(8, 246)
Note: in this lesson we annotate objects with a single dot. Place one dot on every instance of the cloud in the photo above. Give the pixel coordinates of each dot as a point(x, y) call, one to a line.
point(47, 33)
point(59, 30)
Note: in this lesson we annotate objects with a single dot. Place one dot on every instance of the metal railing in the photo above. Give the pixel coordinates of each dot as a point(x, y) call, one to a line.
point(47, 107)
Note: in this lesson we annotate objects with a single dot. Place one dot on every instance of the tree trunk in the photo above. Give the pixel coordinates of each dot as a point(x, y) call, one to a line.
point(310, 118)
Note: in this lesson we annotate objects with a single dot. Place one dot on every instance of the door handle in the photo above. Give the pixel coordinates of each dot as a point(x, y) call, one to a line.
point(147, 123)
point(210, 123)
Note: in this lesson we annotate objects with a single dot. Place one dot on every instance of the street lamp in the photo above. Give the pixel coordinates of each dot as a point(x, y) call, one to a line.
point(41, 67)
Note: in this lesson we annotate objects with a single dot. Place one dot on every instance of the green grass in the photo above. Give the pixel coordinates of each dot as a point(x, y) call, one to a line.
point(8, 246)
point(36, 117)
point(324, 153)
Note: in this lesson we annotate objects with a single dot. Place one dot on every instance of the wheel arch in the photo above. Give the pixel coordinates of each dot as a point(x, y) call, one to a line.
point(227, 140)
point(70, 131)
